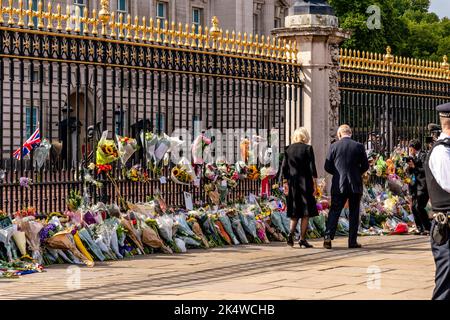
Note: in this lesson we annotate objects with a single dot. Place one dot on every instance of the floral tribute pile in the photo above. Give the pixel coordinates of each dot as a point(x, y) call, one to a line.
point(84, 235)
point(87, 233)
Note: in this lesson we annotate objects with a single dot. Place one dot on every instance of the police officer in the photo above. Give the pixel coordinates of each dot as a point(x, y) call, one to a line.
point(437, 171)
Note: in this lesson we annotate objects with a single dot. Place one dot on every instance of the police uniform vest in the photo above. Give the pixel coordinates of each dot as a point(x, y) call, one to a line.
point(440, 199)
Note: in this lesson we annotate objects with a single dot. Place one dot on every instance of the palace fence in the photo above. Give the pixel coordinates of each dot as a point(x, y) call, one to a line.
point(391, 96)
point(76, 76)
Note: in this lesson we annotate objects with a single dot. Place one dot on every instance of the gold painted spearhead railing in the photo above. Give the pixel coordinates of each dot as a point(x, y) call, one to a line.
point(106, 24)
point(388, 63)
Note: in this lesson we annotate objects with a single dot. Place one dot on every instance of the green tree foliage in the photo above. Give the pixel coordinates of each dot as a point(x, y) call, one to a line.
point(406, 25)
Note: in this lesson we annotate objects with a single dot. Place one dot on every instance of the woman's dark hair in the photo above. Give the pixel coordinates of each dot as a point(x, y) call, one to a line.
point(416, 144)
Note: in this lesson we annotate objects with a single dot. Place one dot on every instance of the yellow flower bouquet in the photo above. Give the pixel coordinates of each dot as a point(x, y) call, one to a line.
point(183, 173)
point(253, 173)
point(106, 150)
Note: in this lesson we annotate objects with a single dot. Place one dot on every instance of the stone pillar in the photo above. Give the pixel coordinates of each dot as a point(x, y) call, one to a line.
point(314, 27)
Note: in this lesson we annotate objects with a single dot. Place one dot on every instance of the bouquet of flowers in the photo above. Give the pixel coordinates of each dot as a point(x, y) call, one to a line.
point(245, 150)
point(127, 147)
point(210, 231)
point(221, 229)
point(199, 147)
point(149, 141)
point(21, 242)
point(106, 150)
point(111, 226)
point(249, 223)
point(136, 173)
point(380, 167)
point(162, 147)
point(241, 169)
point(226, 223)
point(275, 218)
point(261, 231)
point(183, 173)
point(237, 227)
point(211, 172)
point(25, 212)
point(40, 154)
point(212, 192)
point(131, 233)
point(267, 172)
point(151, 238)
point(195, 226)
point(166, 227)
point(86, 238)
point(253, 173)
point(102, 236)
point(5, 238)
point(64, 241)
point(32, 229)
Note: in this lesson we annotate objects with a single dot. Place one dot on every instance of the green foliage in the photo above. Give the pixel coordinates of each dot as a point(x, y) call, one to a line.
point(406, 25)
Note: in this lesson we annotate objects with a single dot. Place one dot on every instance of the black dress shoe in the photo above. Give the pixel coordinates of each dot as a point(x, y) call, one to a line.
point(304, 243)
point(327, 244)
point(355, 246)
point(290, 239)
point(425, 233)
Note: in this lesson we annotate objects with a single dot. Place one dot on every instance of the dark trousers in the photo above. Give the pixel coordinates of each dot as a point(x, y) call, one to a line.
point(337, 204)
point(419, 203)
point(441, 256)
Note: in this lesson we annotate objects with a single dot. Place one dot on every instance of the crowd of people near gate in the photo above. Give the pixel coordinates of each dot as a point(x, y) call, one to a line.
point(348, 161)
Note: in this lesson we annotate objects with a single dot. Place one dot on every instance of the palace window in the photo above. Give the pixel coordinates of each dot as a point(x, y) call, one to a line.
point(122, 8)
point(162, 12)
point(277, 23)
point(197, 18)
point(279, 15)
point(31, 120)
point(78, 10)
point(255, 24)
point(34, 7)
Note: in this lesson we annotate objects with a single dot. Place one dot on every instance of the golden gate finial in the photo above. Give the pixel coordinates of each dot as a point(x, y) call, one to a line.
point(215, 31)
point(444, 64)
point(104, 15)
point(388, 58)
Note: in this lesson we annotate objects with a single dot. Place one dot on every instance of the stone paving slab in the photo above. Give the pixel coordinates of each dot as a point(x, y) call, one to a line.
point(261, 272)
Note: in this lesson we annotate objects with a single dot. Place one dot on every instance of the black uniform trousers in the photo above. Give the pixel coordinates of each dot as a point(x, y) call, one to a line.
point(419, 203)
point(337, 204)
point(441, 256)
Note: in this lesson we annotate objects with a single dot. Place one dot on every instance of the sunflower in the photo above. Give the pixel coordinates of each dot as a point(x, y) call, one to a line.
point(176, 172)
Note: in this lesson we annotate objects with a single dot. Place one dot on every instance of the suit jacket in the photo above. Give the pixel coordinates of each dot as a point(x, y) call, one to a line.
point(347, 162)
point(420, 186)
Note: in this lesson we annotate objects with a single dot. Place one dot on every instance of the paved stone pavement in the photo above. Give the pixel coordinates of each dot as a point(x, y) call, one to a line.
point(404, 263)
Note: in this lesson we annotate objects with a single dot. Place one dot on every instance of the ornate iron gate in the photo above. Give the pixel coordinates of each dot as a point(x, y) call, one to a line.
point(392, 96)
point(76, 76)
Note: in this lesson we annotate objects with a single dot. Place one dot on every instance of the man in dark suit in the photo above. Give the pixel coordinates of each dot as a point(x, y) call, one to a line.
point(347, 162)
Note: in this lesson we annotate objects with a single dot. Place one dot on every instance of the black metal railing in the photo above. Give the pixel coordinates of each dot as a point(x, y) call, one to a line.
point(74, 85)
point(390, 100)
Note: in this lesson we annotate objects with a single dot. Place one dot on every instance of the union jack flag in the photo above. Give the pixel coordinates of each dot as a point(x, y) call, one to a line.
point(32, 142)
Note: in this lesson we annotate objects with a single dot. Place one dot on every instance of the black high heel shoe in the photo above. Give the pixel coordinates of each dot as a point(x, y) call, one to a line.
point(290, 240)
point(304, 243)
